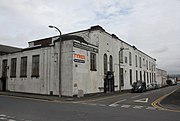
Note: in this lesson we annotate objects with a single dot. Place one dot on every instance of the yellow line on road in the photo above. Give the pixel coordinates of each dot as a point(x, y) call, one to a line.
point(157, 104)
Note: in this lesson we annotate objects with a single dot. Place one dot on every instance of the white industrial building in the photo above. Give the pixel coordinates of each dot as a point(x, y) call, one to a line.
point(161, 77)
point(87, 56)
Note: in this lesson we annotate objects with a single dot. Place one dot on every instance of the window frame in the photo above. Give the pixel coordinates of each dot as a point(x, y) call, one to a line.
point(13, 67)
point(23, 67)
point(93, 63)
point(35, 66)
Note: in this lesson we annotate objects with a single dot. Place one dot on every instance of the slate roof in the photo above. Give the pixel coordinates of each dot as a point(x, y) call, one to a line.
point(4, 49)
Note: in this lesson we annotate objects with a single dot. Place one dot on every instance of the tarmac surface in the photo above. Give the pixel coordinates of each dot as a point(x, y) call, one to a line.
point(172, 101)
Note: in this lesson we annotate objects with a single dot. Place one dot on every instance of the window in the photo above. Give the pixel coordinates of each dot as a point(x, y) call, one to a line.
point(140, 75)
point(136, 60)
point(35, 66)
point(111, 63)
point(121, 56)
point(93, 61)
point(147, 64)
point(130, 76)
point(130, 59)
point(147, 78)
point(4, 68)
point(136, 75)
point(126, 60)
point(23, 71)
point(140, 62)
point(13, 67)
point(105, 63)
point(144, 76)
point(122, 76)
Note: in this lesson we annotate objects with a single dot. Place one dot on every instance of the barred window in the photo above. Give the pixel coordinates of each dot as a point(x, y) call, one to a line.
point(23, 71)
point(13, 67)
point(93, 61)
point(35, 66)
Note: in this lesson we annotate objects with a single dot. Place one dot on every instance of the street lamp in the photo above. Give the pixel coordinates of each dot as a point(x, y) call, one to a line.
point(60, 46)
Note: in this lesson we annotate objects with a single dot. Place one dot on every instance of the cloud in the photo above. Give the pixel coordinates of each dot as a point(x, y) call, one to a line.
point(151, 25)
point(160, 50)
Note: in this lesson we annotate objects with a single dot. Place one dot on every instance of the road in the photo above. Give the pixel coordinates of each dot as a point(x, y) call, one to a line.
point(125, 107)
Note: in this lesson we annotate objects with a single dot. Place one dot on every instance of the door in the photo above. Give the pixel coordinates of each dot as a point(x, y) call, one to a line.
point(4, 75)
point(109, 82)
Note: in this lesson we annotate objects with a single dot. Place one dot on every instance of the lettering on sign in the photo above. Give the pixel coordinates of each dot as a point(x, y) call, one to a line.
point(79, 58)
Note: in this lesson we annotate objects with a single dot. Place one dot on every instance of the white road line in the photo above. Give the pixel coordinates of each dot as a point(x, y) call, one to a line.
point(91, 104)
point(2, 115)
point(3, 118)
point(116, 103)
point(135, 96)
point(11, 120)
point(138, 107)
point(143, 100)
point(125, 106)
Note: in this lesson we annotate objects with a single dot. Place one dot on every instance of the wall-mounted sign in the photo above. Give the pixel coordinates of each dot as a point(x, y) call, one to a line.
point(85, 47)
point(79, 58)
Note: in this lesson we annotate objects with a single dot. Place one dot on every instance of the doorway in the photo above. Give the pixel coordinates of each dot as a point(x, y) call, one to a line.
point(4, 75)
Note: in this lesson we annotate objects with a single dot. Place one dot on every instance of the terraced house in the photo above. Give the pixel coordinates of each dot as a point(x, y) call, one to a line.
point(87, 61)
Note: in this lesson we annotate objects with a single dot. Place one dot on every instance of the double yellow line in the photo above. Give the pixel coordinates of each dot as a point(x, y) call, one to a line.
point(157, 104)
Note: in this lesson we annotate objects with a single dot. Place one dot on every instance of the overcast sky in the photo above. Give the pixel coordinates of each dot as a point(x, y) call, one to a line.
point(153, 26)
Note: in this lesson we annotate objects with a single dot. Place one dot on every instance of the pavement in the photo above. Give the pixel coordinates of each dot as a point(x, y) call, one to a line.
point(172, 101)
point(64, 99)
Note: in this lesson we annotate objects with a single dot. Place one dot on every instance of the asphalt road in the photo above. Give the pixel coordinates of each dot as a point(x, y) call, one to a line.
point(126, 107)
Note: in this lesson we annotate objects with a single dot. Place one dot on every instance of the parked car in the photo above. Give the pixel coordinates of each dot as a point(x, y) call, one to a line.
point(169, 82)
point(139, 86)
point(150, 87)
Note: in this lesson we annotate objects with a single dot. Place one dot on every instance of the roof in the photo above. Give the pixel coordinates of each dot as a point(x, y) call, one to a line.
point(4, 49)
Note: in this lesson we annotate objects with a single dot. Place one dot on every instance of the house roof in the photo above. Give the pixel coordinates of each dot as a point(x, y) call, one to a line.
point(4, 49)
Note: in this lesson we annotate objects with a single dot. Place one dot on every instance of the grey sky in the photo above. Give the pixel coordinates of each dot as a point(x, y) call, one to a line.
point(153, 26)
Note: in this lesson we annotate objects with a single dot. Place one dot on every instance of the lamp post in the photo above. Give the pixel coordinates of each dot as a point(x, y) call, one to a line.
point(60, 46)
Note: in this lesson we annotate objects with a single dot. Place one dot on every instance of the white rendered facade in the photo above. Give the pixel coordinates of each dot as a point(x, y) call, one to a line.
point(78, 75)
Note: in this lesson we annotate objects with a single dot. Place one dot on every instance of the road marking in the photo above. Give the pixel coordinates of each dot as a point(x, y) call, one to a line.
point(151, 108)
point(3, 118)
point(125, 106)
point(11, 120)
point(116, 103)
point(138, 107)
point(144, 100)
point(157, 104)
point(2, 115)
point(135, 96)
